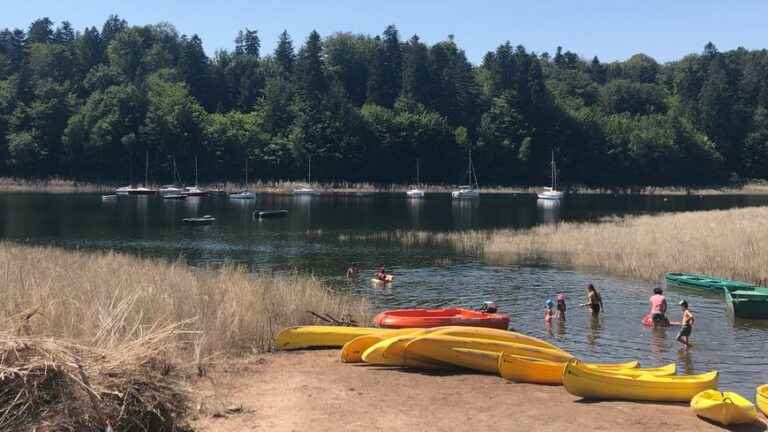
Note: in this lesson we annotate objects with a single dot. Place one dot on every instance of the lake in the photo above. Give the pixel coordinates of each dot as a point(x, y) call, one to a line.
point(314, 238)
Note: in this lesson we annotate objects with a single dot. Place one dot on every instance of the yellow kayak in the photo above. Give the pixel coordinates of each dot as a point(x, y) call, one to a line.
point(726, 408)
point(397, 349)
point(439, 348)
point(375, 355)
point(352, 351)
point(761, 395)
point(591, 383)
point(536, 371)
point(293, 338)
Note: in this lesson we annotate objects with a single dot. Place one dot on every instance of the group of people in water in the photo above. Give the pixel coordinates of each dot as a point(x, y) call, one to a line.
point(555, 309)
point(657, 317)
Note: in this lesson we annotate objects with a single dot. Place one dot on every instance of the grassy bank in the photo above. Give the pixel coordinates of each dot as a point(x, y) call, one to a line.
point(75, 295)
point(728, 243)
point(758, 187)
point(89, 340)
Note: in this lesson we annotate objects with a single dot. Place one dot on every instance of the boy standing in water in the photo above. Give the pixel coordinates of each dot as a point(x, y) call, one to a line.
point(687, 324)
point(549, 313)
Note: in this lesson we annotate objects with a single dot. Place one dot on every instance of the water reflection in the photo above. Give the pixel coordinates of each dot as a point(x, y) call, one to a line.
point(595, 329)
point(464, 212)
point(548, 211)
point(686, 361)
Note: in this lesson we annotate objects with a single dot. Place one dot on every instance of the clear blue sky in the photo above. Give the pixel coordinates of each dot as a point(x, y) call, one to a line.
point(613, 30)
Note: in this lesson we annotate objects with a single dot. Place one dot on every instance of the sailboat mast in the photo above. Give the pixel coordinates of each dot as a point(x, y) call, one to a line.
point(309, 173)
point(418, 182)
point(146, 168)
point(246, 172)
point(195, 170)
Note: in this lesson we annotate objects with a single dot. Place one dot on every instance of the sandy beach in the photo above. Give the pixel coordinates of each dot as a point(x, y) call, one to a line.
point(312, 390)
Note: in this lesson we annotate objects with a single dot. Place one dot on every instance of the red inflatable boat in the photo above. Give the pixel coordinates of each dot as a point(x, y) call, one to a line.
point(424, 318)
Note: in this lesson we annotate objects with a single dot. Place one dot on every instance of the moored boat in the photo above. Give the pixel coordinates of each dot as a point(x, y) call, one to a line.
point(264, 214)
point(243, 194)
point(725, 408)
point(141, 190)
point(692, 280)
point(761, 396)
point(415, 192)
point(471, 190)
point(748, 303)
point(405, 318)
point(194, 191)
point(124, 190)
point(551, 193)
point(169, 189)
point(205, 220)
point(580, 380)
point(108, 197)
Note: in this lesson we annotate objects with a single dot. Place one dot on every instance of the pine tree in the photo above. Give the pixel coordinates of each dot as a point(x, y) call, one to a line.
point(284, 54)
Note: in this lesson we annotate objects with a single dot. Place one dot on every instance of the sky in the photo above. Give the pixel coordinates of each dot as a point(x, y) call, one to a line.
point(612, 30)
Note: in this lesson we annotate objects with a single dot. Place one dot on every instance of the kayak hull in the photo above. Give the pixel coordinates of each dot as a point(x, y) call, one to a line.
point(535, 371)
point(427, 318)
point(761, 396)
point(293, 338)
point(693, 280)
point(748, 304)
point(582, 381)
point(725, 408)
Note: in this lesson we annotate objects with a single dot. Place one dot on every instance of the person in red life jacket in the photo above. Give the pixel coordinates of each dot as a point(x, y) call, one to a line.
point(382, 275)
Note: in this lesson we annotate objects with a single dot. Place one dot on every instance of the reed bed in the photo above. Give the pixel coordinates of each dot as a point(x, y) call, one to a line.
point(231, 311)
point(725, 243)
point(470, 242)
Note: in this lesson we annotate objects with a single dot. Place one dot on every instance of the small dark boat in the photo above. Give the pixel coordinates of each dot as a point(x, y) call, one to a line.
point(263, 214)
point(205, 220)
point(174, 196)
point(748, 303)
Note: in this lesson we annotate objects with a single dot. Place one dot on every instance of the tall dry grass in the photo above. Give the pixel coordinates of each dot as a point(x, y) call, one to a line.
point(725, 243)
point(78, 295)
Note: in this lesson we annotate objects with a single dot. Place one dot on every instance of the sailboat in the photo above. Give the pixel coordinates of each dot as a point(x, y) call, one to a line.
point(143, 190)
point(245, 193)
point(171, 189)
point(306, 189)
point(195, 190)
point(551, 193)
point(471, 189)
point(415, 192)
point(125, 190)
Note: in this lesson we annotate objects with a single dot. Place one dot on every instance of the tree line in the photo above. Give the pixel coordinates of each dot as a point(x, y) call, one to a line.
point(96, 104)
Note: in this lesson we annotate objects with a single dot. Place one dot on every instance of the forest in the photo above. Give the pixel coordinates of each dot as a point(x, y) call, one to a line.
point(97, 104)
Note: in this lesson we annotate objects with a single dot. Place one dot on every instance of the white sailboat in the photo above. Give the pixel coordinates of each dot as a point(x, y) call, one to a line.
point(551, 193)
point(143, 190)
point(471, 189)
point(245, 193)
point(171, 189)
point(195, 190)
point(415, 192)
point(306, 189)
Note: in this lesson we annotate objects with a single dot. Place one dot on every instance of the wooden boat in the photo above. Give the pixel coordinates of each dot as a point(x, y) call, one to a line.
point(726, 408)
point(538, 371)
point(205, 220)
point(748, 303)
point(691, 280)
point(580, 380)
point(761, 396)
point(263, 214)
point(405, 318)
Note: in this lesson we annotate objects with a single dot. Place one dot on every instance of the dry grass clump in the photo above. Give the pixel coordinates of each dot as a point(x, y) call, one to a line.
point(57, 385)
point(77, 294)
point(57, 185)
point(725, 243)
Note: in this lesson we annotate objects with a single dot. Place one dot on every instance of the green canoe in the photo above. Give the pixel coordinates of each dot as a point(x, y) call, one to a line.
point(691, 280)
point(749, 304)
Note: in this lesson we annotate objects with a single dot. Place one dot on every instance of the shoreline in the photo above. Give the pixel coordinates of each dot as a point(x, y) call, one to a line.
point(295, 391)
point(285, 187)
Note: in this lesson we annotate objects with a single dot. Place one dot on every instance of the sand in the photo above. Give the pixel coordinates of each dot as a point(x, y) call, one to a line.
point(313, 391)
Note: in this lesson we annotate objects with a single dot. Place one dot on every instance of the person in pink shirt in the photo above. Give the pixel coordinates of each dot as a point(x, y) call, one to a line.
point(658, 308)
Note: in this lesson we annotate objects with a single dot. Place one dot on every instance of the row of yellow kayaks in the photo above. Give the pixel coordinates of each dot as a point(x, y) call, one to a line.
point(523, 358)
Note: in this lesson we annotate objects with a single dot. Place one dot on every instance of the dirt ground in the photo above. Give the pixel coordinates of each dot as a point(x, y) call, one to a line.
point(313, 391)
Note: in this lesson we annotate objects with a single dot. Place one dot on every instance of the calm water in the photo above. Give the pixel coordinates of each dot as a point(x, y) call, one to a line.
point(309, 240)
